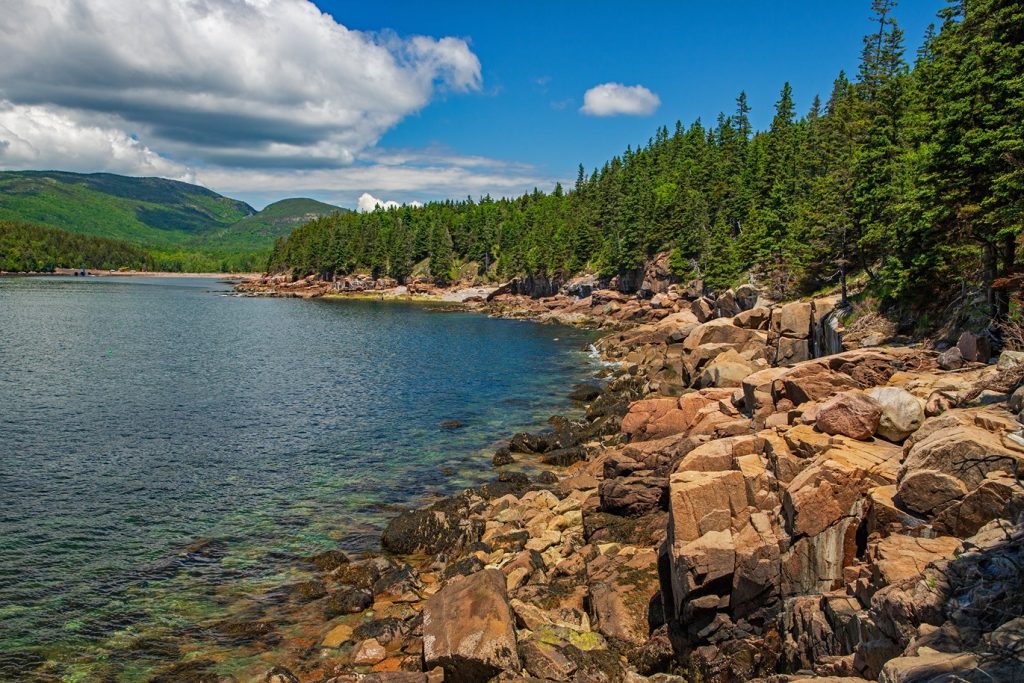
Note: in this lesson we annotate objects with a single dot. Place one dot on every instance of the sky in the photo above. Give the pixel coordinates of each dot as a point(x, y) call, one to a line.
point(367, 103)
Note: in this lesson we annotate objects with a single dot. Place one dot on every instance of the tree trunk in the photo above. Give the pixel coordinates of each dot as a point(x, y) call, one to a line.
point(988, 268)
point(1008, 250)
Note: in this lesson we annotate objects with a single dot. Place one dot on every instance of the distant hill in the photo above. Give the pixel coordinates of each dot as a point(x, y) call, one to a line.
point(150, 212)
point(155, 213)
point(275, 220)
point(25, 247)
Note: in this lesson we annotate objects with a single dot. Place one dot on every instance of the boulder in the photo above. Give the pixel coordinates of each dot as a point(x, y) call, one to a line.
point(722, 331)
point(625, 602)
point(794, 320)
point(811, 382)
point(1010, 359)
point(791, 350)
point(728, 369)
point(368, 653)
point(902, 412)
point(999, 497)
point(441, 527)
point(703, 309)
point(929, 667)
point(468, 629)
point(633, 496)
point(974, 348)
point(756, 318)
point(953, 443)
point(951, 359)
point(746, 297)
point(851, 414)
point(897, 558)
point(347, 601)
point(925, 492)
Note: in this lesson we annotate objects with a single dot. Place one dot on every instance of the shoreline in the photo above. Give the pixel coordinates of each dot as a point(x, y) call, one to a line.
point(92, 272)
point(721, 510)
point(608, 563)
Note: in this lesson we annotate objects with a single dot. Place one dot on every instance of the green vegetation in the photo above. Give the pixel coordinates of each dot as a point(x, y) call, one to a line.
point(912, 178)
point(151, 212)
point(25, 247)
point(185, 227)
point(262, 228)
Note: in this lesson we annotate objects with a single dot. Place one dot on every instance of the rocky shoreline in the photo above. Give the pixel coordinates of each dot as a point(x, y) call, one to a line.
point(749, 497)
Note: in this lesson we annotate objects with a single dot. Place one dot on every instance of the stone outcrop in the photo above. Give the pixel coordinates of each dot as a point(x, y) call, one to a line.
point(735, 505)
point(468, 629)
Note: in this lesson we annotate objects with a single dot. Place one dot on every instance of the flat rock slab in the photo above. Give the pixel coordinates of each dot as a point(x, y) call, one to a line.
point(468, 629)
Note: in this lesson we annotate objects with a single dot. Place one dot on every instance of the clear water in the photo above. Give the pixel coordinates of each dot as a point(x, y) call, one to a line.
point(138, 415)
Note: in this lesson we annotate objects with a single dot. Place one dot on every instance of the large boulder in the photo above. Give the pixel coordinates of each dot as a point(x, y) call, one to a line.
point(929, 667)
point(956, 444)
point(722, 331)
point(469, 629)
point(974, 348)
point(728, 369)
point(697, 412)
point(902, 412)
point(794, 320)
point(925, 492)
point(625, 600)
point(811, 382)
point(851, 414)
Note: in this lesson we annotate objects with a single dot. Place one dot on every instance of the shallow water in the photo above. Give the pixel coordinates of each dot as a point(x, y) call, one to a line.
point(139, 415)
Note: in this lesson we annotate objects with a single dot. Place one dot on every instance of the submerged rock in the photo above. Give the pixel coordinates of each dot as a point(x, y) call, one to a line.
point(440, 528)
point(347, 601)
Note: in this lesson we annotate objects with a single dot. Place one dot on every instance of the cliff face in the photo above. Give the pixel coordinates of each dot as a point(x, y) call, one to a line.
point(745, 499)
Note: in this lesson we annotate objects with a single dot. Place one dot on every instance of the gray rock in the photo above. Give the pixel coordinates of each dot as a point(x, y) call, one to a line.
point(902, 412)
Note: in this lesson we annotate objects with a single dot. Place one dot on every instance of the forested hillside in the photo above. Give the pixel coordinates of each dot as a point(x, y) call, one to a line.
point(186, 227)
point(36, 248)
point(910, 177)
point(152, 212)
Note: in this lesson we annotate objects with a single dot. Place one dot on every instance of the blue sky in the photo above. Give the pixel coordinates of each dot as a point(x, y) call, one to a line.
point(539, 58)
point(364, 103)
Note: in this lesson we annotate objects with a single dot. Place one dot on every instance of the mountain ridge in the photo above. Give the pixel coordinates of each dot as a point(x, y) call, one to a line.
point(150, 212)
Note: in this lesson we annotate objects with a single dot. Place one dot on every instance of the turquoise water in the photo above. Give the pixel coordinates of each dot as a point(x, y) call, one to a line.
point(139, 415)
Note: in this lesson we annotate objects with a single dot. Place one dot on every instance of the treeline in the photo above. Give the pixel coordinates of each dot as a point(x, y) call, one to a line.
point(184, 261)
point(910, 177)
point(25, 247)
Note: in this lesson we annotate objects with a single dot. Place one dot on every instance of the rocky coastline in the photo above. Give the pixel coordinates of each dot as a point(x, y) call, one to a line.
point(755, 493)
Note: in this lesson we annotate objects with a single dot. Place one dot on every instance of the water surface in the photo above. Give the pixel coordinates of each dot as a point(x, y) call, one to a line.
point(138, 415)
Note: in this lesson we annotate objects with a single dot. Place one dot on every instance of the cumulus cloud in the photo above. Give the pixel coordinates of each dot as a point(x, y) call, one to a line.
point(367, 203)
point(229, 82)
point(36, 136)
point(615, 99)
point(258, 99)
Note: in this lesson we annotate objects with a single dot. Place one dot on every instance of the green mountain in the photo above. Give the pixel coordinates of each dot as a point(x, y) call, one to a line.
point(166, 216)
point(275, 220)
point(149, 212)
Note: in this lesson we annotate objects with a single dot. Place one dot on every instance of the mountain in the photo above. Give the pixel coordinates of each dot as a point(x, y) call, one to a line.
point(155, 213)
point(275, 220)
point(150, 212)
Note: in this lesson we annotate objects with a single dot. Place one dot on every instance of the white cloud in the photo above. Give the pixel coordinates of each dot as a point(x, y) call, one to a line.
point(613, 99)
point(231, 82)
point(367, 203)
point(38, 136)
point(257, 99)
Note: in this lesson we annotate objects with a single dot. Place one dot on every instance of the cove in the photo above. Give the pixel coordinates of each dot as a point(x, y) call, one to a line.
point(167, 448)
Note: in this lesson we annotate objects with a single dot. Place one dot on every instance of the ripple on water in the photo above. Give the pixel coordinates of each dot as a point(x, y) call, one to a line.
point(167, 456)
